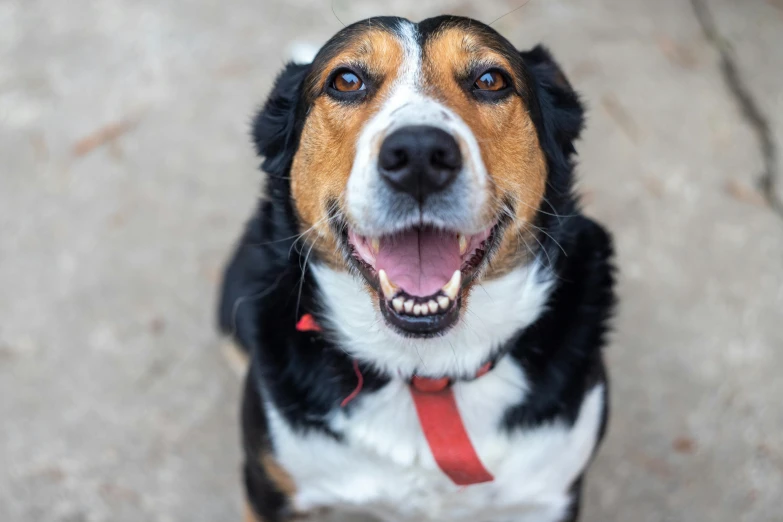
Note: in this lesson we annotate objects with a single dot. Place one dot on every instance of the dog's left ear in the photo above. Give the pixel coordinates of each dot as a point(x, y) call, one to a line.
point(562, 113)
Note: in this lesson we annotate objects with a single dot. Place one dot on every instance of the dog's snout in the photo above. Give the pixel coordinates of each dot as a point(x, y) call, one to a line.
point(419, 160)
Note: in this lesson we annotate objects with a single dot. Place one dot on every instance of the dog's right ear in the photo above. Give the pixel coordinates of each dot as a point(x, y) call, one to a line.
point(274, 128)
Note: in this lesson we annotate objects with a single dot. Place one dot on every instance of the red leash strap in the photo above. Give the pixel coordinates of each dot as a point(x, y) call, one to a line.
point(445, 432)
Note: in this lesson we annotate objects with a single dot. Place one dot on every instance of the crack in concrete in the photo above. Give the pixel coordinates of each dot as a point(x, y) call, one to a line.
point(747, 104)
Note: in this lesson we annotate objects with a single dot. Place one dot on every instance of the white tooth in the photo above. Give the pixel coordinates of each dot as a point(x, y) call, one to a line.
point(408, 306)
point(417, 309)
point(397, 303)
point(376, 244)
point(388, 288)
point(451, 289)
point(463, 244)
point(433, 306)
point(444, 302)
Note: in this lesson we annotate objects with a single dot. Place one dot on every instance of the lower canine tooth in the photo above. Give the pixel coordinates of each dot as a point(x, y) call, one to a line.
point(463, 244)
point(451, 289)
point(397, 302)
point(388, 288)
point(408, 306)
point(433, 306)
point(443, 302)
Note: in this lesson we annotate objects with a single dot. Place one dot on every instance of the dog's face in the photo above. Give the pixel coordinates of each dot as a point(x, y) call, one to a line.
point(418, 162)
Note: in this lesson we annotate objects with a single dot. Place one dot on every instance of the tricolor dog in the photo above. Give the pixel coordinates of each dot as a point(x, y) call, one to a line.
point(422, 302)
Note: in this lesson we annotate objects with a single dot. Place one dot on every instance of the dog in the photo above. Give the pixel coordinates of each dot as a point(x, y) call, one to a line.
point(423, 304)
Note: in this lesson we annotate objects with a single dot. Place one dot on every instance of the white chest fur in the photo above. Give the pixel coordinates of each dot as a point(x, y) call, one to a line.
point(384, 468)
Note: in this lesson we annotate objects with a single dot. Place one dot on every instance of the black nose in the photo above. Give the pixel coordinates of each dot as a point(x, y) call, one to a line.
point(419, 160)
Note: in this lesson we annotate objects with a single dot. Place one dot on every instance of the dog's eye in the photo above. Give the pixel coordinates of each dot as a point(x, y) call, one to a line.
point(347, 81)
point(490, 81)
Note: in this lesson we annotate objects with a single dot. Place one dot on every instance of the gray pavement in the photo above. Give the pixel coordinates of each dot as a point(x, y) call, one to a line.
point(127, 171)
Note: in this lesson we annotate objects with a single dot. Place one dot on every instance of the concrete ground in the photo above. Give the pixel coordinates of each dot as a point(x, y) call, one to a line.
point(127, 171)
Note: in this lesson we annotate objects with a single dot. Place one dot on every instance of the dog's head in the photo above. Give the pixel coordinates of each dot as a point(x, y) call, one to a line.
point(422, 159)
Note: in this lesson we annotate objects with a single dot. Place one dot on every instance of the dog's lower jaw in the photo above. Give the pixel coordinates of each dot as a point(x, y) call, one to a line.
point(496, 311)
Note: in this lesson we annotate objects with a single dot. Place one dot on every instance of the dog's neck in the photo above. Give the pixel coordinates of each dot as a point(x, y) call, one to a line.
point(497, 310)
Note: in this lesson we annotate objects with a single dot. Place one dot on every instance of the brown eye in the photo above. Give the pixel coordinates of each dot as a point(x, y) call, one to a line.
point(346, 81)
point(490, 81)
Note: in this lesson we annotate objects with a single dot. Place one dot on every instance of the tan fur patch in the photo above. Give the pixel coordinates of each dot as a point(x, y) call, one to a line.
point(237, 358)
point(327, 147)
point(250, 515)
point(505, 132)
point(278, 475)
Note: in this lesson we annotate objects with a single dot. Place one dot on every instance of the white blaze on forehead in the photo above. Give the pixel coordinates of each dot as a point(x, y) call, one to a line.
point(411, 63)
point(407, 104)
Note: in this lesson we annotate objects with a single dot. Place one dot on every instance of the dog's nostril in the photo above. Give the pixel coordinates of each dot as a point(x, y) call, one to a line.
point(437, 158)
point(419, 160)
point(392, 158)
point(398, 160)
point(445, 159)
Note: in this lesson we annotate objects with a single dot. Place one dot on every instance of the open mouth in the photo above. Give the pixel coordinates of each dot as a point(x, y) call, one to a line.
point(419, 273)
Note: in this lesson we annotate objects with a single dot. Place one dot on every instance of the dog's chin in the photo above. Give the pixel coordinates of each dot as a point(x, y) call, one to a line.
point(421, 275)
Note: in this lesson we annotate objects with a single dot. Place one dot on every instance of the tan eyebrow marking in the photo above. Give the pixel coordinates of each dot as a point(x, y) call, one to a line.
point(375, 50)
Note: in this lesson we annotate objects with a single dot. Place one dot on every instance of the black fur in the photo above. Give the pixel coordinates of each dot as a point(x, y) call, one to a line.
point(265, 290)
point(561, 350)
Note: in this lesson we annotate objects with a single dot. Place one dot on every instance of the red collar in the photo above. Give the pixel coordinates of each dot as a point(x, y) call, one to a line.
point(439, 417)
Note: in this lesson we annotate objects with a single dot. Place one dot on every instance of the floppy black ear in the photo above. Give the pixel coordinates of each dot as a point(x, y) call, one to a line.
point(264, 250)
point(274, 128)
point(562, 114)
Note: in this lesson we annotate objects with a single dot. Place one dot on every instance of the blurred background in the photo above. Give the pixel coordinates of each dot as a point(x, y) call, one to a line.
point(126, 172)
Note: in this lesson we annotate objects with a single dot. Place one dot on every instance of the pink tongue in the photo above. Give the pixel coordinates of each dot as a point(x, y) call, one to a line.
point(420, 261)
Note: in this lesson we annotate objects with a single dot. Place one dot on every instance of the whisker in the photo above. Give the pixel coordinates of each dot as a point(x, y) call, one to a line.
point(416, 347)
point(456, 359)
point(510, 12)
point(303, 234)
point(335, 14)
point(241, 300)
point(551, 265)
point(521, 237)
point(549, 236)
point(302, 277)
point(543, 199)
point(297, 236)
